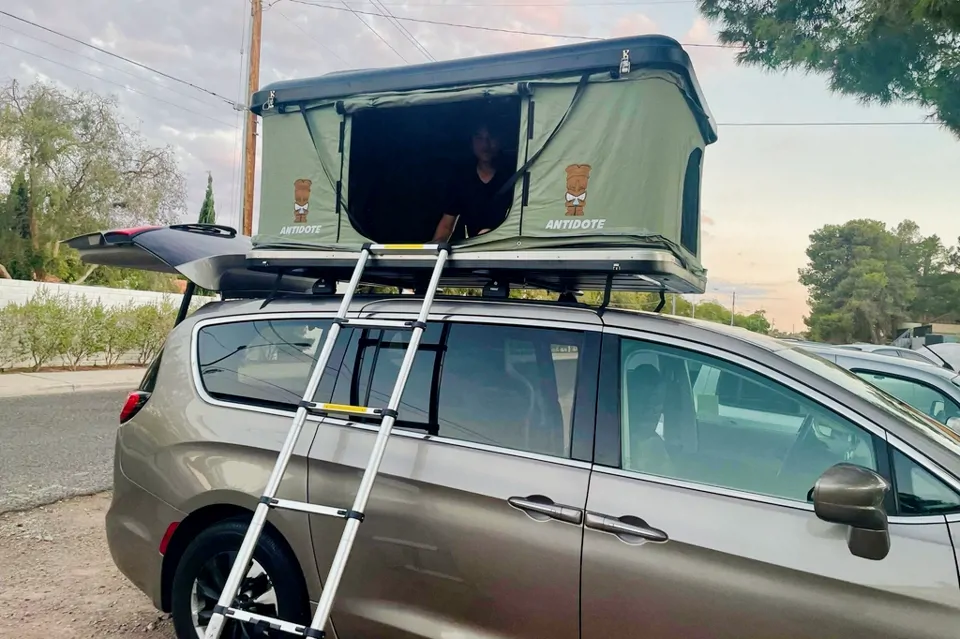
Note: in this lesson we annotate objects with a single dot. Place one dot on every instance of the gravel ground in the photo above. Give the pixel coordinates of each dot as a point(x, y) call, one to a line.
point(56, 446)
point(57, 580)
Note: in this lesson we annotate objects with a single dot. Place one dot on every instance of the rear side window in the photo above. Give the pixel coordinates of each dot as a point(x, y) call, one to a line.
point(262, 362)
point(505, 386)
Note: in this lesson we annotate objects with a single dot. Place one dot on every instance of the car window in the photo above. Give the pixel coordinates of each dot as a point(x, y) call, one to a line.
point(924, 398)
point(505, 386)
point(263, 362)
point(730, 427)
point(919, 492)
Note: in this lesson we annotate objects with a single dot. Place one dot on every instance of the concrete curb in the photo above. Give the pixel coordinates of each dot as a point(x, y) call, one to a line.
point(14, 385)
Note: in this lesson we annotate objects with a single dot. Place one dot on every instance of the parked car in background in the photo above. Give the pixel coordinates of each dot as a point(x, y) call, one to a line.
point(947, 353)
point(931, 389)
point(892, 351)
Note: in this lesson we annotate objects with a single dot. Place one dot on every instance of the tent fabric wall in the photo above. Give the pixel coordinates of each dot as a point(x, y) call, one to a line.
point(298, 182)
point(613, 174)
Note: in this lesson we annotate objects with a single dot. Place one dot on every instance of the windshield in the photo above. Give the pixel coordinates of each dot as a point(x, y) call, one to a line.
point(927, 426)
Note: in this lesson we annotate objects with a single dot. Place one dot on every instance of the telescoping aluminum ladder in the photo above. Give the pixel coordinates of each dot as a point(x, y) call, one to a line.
point(224, 609)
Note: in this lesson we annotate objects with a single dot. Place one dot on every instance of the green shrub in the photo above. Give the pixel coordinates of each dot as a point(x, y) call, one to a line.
point(52, 326)
point(11, 348)
point(46, 327)
point(120, 332)
point(87, 331)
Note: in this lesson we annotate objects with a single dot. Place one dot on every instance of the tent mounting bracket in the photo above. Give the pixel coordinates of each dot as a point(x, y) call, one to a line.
point(663, 301)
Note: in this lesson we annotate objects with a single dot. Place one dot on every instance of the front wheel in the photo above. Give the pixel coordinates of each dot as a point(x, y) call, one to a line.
point(271, 587)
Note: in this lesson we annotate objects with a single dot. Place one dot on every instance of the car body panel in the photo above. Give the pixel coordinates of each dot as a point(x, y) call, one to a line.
point(135, 525)
point(190, 454)
point(430, 559)
point(756, 569)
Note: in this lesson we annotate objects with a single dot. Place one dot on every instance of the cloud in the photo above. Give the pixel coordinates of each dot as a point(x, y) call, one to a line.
point(634, 24)
point(709, 58)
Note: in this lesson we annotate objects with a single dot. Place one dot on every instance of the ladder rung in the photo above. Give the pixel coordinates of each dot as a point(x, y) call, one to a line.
point(275, 624)
point(303, 507)
point(378, 323)
point(406, 249)
point(321, 408)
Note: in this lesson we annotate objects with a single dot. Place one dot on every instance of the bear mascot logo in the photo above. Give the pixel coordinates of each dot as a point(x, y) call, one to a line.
point(577, 177)
point(301, 200)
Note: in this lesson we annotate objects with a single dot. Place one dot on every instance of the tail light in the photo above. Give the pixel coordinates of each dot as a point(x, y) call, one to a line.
point(132, 406)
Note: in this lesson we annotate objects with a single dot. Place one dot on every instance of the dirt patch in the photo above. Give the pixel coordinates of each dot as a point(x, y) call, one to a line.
point(57, 580)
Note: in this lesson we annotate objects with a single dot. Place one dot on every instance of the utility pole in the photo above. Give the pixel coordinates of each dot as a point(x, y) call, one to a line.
point(250, 121)
point(674, 311)
point(733, 309)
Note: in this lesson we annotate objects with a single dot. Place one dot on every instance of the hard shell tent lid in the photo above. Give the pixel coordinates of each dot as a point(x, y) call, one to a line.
point(623, 120)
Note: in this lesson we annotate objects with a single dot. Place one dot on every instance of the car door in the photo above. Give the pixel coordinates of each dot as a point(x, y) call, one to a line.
point(706, 532)
point(474, 526)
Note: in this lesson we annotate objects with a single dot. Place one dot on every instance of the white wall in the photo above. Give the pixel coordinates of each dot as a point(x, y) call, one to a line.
point(20, 291)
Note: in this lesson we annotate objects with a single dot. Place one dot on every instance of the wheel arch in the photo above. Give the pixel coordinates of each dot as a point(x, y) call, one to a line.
point(196, 522)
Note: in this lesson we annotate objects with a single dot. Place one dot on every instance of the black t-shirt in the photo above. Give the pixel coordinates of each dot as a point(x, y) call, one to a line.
point(476, 202)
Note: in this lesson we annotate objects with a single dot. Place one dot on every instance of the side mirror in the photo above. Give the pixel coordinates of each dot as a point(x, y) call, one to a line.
point(853, 495)
point(954, 424)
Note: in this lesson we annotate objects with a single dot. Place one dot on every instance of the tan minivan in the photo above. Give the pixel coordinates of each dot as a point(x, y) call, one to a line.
point(554, 474)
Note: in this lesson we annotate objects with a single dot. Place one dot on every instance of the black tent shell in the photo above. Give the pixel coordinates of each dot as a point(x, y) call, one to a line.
point(645, 52)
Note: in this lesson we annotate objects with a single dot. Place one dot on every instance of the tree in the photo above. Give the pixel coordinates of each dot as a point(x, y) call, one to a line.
point(83, 170)
point(865, 279)
point(208, 214)
point(883, 51)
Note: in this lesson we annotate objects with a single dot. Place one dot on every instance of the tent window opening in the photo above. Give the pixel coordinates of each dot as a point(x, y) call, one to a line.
point(406, 164)
point(690, 216)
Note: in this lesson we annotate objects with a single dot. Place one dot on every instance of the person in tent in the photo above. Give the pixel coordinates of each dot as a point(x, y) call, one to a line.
point(473, 205)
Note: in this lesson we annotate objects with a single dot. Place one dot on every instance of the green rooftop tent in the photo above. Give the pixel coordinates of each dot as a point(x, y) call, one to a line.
point(604, 142)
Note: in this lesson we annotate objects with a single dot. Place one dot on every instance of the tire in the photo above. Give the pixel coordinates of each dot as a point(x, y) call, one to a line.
point(206, 562)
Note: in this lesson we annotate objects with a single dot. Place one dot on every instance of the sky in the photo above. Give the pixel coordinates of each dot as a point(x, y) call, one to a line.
point(765, 188)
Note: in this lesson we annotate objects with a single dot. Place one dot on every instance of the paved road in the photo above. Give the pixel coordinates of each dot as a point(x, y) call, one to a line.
point(56, 446)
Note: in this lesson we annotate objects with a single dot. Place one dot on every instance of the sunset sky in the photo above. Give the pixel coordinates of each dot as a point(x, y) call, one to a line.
point(766, 188)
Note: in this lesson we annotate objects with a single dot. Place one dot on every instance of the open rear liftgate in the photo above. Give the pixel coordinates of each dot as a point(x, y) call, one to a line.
point(224, 609)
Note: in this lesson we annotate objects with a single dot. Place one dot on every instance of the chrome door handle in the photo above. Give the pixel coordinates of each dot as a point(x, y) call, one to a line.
point(543, 508)
point(626, 528)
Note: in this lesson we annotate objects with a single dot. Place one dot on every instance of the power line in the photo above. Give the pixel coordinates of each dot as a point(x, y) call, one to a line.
point(99, 62)
point(404, 31)
point(102, 79)
point(364, 22)
point(115, 55)
point(444, 23)
point(309, 35)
